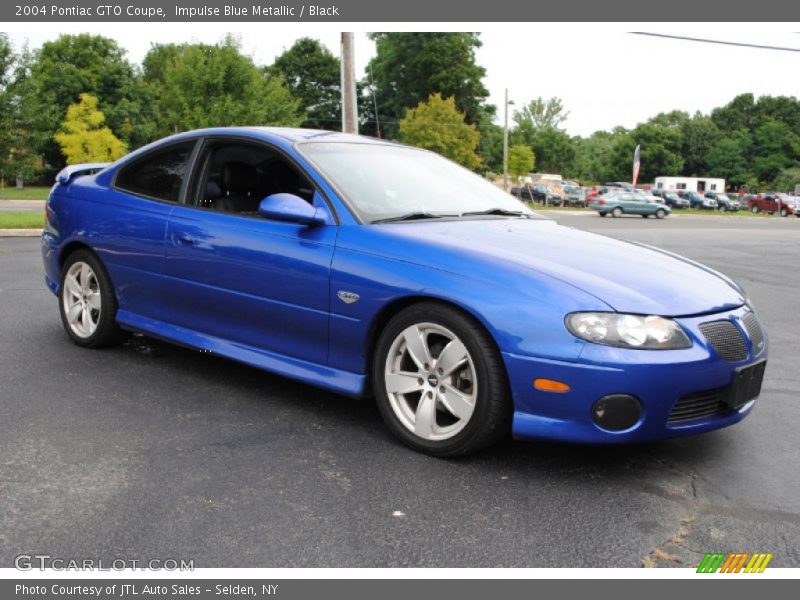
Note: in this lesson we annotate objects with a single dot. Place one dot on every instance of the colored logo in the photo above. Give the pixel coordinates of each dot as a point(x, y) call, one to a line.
point(736, 562)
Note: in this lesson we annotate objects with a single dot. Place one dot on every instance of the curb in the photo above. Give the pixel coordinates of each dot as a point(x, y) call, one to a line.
point(20, 233)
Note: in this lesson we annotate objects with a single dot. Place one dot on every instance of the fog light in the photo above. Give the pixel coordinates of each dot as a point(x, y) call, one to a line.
point(616, 412)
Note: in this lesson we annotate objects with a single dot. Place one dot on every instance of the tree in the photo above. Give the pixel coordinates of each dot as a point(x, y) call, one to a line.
point(700, 134)
point(408, 67)
point(540, 114)
point(788, 179)
point(438, 125)
point(63, 69)
point(738, 114)
point(593, 157)
point(201, 85)
point(83, 137)
point(728, 158)
point(521, 160)
point(775, 147)
point(313, 76)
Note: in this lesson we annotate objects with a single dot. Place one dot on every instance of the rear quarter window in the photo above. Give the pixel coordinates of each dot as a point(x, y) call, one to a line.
point(159, 174)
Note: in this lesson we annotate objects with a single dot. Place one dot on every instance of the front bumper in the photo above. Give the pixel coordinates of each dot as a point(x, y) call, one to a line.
point(658, 379)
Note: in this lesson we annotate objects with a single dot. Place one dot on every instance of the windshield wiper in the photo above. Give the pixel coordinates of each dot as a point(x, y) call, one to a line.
point(412, 216)
point(497, 211)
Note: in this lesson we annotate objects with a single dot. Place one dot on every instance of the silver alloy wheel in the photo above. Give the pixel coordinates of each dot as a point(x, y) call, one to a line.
point(81, 299)
point(430, 381)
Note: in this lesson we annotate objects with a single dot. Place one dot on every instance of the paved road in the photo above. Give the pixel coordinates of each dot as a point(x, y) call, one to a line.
point(152, 451)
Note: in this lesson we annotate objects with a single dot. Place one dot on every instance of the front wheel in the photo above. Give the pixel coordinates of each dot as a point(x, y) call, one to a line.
point(87, 302)
point(754, 210)
point(661, 213)
point(440, 383)
point(784, 212)
point(617, 212)
point(722, 209)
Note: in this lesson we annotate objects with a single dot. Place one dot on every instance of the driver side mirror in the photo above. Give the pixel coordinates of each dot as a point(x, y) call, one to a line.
point(290, 208)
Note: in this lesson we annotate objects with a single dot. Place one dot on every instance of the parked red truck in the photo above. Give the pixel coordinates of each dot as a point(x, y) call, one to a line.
point(771, 203)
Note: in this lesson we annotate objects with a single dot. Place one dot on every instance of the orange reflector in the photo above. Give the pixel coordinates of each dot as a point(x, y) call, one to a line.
point(550, 385)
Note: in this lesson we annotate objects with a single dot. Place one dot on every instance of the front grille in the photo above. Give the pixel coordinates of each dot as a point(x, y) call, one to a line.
point(726, 339)
point(755, 331)
point(699, 405)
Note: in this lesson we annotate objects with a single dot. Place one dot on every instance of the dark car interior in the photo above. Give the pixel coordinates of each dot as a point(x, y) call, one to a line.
point(236, 177)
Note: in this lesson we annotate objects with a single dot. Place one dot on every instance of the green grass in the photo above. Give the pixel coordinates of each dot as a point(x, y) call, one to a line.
point(27, 193)
point(21, 220)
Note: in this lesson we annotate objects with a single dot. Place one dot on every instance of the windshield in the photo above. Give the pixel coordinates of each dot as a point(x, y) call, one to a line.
point(723, 197)
point(381, 181)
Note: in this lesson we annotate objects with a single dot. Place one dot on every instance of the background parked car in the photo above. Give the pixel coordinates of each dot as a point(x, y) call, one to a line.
point(724, 202)
point(671, 199)
point(541, 193)
point(621, 203)
point(770, 202)
point(697, 200)
point(575, 195)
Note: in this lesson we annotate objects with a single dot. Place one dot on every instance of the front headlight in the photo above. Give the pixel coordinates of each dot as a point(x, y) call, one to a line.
point(628, 331)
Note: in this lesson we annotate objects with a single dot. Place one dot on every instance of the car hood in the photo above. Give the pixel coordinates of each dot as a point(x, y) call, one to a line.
point(626, 276)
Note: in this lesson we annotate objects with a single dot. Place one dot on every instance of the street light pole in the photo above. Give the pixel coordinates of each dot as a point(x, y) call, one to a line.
point(505, 143)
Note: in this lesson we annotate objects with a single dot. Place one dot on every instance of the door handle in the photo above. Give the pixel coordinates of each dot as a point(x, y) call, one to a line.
point(185, 239)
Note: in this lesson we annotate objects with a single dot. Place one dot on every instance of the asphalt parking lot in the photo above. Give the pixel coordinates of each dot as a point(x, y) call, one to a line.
point(149, 451)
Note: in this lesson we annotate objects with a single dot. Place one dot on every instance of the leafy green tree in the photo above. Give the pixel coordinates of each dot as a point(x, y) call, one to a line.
point(201, 85)
point(521, 160)
point(71, 65)
point(539, 114)
point(738, 114)
point(408, 67)
point(775, 147)
point(439, 126)
point(490, 148)
point(313, 76)
point(788, 179)
point(84, 138)
point(554, 151)
point(728, 158)
point(700, 134)
point(592, 162)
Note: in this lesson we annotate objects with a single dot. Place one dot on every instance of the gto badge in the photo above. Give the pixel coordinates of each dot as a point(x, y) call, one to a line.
point(348, 297)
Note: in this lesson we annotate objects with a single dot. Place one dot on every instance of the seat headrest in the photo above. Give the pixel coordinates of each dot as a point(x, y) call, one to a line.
point(238, 177)
point(213, 191)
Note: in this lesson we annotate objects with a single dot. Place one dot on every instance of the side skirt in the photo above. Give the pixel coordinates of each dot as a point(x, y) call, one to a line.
point(335, 380)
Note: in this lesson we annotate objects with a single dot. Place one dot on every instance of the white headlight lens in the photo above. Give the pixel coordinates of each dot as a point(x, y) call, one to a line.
point(628, 331)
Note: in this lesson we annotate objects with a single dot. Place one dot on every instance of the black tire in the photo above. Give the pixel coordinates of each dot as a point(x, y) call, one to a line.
point(645, 216)
point(661, 213)
point(108, 332)
point(491, 418)
point(755, 210)
point(722, 209)
point(617, 212)
point(784, 212)
point(602, 214)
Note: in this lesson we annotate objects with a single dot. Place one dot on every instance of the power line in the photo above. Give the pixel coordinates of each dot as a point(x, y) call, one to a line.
point(720, 42)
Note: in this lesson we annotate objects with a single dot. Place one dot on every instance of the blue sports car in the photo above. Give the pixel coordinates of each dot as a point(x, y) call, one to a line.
point(370, 268)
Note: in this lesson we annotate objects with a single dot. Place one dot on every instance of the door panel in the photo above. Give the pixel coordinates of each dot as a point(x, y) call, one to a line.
point(250, 280)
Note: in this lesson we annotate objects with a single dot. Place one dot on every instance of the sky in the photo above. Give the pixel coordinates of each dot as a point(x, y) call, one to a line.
point(605, 75)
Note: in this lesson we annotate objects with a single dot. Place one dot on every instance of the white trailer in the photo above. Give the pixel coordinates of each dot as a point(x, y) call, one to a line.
point(690, 184)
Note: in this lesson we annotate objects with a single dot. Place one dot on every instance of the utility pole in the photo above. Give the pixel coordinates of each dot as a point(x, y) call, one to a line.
point(349, 108)
point(505, 143)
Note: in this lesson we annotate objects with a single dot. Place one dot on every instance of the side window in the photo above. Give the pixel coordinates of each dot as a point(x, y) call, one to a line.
point(157, 175)
point(236, 176)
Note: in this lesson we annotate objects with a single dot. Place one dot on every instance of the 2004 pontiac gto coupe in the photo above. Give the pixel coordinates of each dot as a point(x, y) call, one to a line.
point(367, 267)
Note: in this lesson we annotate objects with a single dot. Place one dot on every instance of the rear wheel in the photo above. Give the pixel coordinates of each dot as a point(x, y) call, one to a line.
point(602, 214)
point(645, 216)
point(87, 302)
point(722, 209)
point(440, 383)
point(784, 212)
point(754, 209)
point(617, 212)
